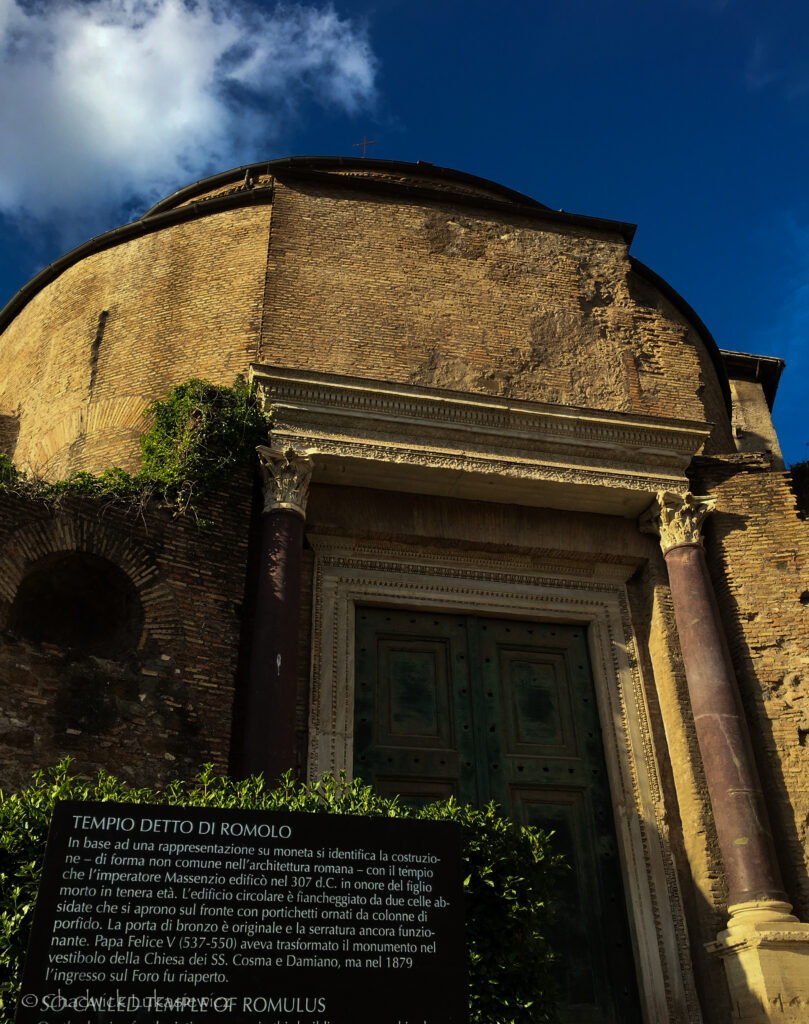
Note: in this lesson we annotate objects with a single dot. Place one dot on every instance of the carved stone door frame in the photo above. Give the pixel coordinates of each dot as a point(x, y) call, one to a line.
point(348, 573)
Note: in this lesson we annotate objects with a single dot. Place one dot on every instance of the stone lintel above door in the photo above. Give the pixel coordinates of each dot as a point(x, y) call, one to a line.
point(400, 437)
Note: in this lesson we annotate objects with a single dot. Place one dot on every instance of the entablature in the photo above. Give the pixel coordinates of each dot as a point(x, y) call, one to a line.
point(400, 437)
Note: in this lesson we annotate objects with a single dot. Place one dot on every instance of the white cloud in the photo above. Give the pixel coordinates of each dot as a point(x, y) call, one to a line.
point(105, 99)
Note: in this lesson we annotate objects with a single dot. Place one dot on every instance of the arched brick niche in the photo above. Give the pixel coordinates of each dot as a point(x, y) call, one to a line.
point(77, 583)
point(94, 655)
point(81, 601)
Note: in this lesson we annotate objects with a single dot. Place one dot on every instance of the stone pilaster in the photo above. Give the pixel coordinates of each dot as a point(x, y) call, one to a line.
point(765, 949)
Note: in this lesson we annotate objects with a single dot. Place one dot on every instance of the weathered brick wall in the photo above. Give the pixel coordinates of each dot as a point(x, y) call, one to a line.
point(181, 302)
point(385, 285)
point(758, 552)
point(162, 710)
point(393, 288)
point(9, 428)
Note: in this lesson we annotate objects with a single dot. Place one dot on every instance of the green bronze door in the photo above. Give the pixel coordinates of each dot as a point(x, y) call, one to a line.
point(490, 709)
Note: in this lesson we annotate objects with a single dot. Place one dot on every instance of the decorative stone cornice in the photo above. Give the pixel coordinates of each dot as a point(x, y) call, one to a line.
point(426, 440)
point(286, 478)
point(677, 518)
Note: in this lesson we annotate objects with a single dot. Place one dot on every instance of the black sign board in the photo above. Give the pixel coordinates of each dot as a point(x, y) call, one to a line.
point(186, 915)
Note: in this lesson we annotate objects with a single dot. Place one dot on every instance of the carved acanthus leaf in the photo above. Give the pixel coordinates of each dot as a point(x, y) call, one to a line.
point(677, 518)
point(286, 478)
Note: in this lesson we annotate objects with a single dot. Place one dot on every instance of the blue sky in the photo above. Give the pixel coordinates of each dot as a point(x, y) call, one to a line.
point(689, 118)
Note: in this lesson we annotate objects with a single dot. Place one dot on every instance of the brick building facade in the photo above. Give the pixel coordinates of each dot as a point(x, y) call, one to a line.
point(475, 566)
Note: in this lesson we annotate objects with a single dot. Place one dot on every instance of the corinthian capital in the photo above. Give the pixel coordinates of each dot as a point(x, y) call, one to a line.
point(677, 518)
point(286, 478)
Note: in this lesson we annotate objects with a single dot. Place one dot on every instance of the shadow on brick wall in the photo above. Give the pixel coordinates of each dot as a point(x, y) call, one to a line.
point(9, 431)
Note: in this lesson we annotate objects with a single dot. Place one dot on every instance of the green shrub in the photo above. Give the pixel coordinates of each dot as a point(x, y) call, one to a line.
point(508, 874)
point(9, 474)
point(200, 432)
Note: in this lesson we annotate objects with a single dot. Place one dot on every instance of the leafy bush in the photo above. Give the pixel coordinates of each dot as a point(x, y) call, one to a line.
point(508, 875)
point(9, 474)
point(199, 434)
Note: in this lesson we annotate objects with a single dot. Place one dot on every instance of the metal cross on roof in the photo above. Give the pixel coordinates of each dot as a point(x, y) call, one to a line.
point(365, 144)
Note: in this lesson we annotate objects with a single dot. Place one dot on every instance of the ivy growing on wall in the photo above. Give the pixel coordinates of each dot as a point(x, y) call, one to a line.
point(199, 434)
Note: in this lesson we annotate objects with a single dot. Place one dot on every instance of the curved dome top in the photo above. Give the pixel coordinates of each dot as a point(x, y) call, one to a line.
point(252, 183)
point(421, 175)
point(546, 281)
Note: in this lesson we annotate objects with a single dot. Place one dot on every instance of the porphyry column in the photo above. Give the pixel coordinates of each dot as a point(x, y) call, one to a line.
point(269, 734)
point(765, 947)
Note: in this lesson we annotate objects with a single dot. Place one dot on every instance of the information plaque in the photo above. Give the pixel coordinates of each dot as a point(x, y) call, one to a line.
point(184, 915)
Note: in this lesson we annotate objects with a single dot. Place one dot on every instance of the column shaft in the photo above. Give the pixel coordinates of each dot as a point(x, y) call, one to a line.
point(739, 809)
point(269, 739)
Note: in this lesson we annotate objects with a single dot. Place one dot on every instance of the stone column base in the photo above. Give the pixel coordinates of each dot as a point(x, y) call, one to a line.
point(766, 965)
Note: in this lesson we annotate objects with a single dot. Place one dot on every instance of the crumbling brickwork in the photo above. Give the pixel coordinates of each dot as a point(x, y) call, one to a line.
point(162, 709)
point(397, 285)
point(758, 551)
point(424, 293)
